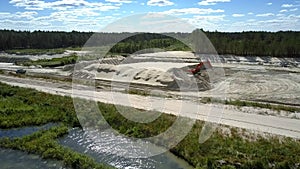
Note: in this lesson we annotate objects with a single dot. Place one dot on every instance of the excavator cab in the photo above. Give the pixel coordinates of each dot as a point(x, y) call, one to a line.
point(203, 65)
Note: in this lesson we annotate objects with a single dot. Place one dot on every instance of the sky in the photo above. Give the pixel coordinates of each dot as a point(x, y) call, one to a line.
point(95, 15)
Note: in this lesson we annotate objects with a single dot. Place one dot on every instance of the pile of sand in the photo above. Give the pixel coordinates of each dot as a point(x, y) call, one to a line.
point(174, 78)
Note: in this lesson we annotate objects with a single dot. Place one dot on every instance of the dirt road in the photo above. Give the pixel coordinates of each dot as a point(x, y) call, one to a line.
point(213, 113)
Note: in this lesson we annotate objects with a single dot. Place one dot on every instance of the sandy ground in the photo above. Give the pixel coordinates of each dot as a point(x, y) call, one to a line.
point(256, 83)
point(9, 66)
point(163, 66)
point(214, 113)
point(44, 56)
point(245, 78)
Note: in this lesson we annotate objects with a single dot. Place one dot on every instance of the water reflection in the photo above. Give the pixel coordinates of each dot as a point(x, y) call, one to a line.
point(13, 159)
point(104, 150)
point(23, 131)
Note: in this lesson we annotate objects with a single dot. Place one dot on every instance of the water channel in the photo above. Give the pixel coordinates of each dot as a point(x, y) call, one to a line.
point(103, 150)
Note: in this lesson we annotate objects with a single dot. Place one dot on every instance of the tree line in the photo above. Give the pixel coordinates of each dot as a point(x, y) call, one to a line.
point(279, 44)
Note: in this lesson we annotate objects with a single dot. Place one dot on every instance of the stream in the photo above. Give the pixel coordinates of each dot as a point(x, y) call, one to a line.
point(20, 132)
point(108, 147)
point(15, 159)
point(103, 150)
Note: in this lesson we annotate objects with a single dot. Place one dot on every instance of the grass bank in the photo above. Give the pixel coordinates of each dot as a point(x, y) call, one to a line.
point(242, 103)
point(21, 107)
point(36, 51)
point(54, 62)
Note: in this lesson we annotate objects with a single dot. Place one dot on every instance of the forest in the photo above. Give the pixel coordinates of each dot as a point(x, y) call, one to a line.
point(277, 44)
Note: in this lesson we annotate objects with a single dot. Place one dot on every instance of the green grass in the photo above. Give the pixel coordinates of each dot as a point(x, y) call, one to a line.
point(52, 62)
point(138, 92)
point(242, 103)
point(22, 107)
point(178, 47)
point(36, 51)
point(74, 48)
point(19, 107)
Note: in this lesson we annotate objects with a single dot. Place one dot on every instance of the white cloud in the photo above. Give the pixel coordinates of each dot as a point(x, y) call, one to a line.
point(283, 10)
point(187, 11)
point(27, 15)
point(64, 4)
point(207, 22)
point(70, 20)
point(282, 23)
point(250, 13)
point(287, 5)
point(119, 1)
point(29, 4)
point(270, 3)
point(265, 15)
point(159, 3)
point(251, 20)
point(279, 15)
point(81, 16)
point(213, 18)
point(21, 25)
point(293, 10)
point(5, 15)
point(212, 2)
point(238, 15)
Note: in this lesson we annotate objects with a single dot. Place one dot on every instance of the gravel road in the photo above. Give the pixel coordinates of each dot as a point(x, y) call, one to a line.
point(213, 113)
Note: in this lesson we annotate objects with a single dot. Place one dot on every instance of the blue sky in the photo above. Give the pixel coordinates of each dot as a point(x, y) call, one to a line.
point(93, 15)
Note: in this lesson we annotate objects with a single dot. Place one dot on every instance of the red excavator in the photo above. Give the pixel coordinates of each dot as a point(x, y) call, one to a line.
point(203, 65)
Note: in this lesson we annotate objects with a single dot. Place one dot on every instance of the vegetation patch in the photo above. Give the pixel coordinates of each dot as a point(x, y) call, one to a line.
point(138, 92)
point(35, 51)
point(147, 41)
point(241, 103)
point(52, 62)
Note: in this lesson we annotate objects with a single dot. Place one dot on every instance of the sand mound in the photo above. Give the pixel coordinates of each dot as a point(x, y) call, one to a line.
point(173, 79)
